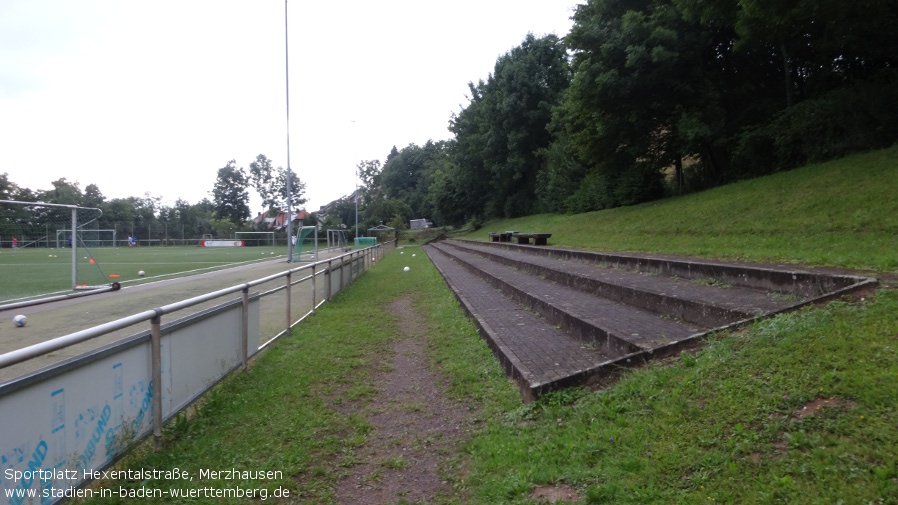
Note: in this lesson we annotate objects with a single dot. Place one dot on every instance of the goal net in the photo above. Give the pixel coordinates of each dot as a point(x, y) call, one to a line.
point(305, 244)
point(87, 238)
point(40, 255)
point(255, 238)
point(336, 239)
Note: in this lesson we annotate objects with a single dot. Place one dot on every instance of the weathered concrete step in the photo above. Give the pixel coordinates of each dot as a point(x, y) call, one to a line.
point(616, 328)
point(706, 304)
point(536, 354)
point(780, 278)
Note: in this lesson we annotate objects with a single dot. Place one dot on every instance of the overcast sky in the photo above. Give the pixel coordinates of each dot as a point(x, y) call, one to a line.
point(156, 96)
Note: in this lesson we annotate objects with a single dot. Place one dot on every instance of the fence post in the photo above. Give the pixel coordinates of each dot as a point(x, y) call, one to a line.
point(289, 320)
point(244, 330)
point(313, 287)
point(330, 277)
point(156, 364)
point(341, 271)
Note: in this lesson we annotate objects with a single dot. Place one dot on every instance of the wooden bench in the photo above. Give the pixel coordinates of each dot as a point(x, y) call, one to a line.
point(538, 238)
point(501, 237)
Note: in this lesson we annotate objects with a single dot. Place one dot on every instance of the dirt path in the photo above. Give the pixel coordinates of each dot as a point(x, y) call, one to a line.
point(414, 427)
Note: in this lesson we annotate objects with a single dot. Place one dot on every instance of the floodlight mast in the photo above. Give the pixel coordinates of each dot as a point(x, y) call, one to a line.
point(289, 189)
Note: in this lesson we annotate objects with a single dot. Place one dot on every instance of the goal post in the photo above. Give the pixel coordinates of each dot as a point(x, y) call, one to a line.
point(256, 238)
point(45, 256)
point(336, 239)
point(305, 242)
point(87, 238)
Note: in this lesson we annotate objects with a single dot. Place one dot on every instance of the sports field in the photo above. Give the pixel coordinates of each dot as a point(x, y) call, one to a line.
point(31, 272)
point(172, 274)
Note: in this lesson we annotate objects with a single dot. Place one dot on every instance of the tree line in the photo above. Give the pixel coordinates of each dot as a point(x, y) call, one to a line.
point(649, 98)
point(641, 99)
point(147, 217)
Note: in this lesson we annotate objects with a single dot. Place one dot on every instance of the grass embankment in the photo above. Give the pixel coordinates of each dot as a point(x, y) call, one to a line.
point(843, 213)
point(800, 408)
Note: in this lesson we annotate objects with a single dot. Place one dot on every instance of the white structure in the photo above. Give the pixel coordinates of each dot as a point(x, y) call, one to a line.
point(420, 224)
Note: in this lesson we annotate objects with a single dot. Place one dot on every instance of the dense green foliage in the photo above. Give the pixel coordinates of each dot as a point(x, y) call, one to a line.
point(646, 98)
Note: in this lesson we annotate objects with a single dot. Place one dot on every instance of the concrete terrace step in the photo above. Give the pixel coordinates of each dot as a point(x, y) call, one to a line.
point(536, 354)
point(624, 308)
point(702, 302)
point(617, 329)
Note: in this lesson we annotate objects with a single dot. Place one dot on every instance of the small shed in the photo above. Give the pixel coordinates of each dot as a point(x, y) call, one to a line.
point(420, 224)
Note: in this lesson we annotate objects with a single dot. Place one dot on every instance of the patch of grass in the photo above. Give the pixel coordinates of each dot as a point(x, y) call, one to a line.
point(396, 462)
point(723, 425)
point(34, 271)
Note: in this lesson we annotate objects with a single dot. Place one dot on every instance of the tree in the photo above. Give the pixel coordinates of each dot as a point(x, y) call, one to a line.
point(823, 77)
point(500, 132)
point(447, 196)
point(649, 92)
point(271, 184)
point(408, 175)
point(263, 177)
point(93, 197)
point(369, 174)
point(63, 192)
point(384, 210)
point(230, 194)
point(8, 189)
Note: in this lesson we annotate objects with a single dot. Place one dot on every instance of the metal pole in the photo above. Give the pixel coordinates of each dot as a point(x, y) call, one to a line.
point(156, 363)
point(244, 330)
point(313, 287)
point(289, 189)
point(330, 276)
point(289, 319)
point(74, 248)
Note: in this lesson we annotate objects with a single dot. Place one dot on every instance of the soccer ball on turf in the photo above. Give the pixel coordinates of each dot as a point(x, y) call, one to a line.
point(19, 320)
point(406, 269)
point(141, 273)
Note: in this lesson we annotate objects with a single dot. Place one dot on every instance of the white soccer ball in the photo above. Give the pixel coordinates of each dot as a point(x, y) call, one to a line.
point(406, 269)
point(19, 320)
point(413, 255)
point(141, 273)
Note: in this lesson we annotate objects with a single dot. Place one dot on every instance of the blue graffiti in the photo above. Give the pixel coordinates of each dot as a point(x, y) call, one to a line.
point(37, 459)
point(89, 451)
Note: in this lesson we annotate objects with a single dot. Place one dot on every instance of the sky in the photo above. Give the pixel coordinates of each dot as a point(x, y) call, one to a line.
point(154, 97)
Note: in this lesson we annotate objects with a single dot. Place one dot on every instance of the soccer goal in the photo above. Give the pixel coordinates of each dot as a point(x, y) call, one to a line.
point(305, 243)
point(336, 239)
point(87, 238)
point(42, 255)
point(256, 238)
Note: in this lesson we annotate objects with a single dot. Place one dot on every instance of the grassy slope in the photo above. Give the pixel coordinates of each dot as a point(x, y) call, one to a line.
point(721, 426)
point(842, 213)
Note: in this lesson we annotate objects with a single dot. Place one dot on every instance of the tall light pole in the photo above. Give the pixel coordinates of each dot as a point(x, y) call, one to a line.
point(289, 189)
point(356, 170)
